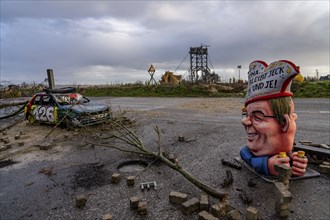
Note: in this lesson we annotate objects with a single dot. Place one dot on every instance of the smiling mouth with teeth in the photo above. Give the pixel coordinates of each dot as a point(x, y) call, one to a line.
point(251, 136)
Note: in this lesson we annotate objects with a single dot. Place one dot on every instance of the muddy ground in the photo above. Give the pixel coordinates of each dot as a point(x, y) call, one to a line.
point(41, 176)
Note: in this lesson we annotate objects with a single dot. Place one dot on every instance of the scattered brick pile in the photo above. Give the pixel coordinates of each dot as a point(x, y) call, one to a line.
point(206, 210)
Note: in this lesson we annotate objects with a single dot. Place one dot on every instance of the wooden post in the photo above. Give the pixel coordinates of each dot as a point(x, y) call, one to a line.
point(51, 81)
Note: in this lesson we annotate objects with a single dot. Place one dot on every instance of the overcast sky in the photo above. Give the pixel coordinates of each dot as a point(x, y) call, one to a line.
point(97, 42)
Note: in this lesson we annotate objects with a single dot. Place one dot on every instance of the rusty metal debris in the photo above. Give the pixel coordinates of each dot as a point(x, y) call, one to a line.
point(251, 183)
point(245, 198)
point(231, 164)
point(47, 171)
point(316, 153)
point(228, 180)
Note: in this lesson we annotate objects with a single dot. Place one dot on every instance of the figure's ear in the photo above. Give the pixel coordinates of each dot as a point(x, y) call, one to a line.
point(286, 124)
point(294, 116)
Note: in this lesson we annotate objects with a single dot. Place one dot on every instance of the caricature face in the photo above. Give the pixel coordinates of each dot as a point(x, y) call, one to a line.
point(265, 136)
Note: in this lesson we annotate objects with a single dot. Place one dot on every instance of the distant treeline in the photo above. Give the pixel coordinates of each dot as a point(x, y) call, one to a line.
point(316, 89)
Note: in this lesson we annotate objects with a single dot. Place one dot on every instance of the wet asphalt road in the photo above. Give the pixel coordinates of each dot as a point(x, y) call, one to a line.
point(27, 194)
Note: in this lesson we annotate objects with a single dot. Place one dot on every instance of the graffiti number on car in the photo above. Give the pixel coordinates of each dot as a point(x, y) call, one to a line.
point(44, 113)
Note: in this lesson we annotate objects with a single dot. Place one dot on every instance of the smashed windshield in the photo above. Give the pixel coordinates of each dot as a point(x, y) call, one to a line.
point(68, 99)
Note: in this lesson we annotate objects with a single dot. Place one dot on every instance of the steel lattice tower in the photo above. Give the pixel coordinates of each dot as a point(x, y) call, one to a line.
point(199, 70)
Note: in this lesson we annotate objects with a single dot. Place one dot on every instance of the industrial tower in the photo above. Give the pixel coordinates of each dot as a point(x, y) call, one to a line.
point(199, 70)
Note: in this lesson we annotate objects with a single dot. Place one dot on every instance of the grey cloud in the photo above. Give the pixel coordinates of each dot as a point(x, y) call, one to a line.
point(124, 38)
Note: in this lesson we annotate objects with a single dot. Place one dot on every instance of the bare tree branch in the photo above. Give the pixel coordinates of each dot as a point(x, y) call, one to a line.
point(123, 133)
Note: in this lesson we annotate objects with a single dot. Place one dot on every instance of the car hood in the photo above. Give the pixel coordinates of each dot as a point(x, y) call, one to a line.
point(88, 107)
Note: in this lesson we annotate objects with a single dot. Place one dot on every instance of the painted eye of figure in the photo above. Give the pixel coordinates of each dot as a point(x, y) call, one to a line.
point(258, 116)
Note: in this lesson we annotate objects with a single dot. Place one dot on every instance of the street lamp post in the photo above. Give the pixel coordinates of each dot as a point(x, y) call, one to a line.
point(239, 72)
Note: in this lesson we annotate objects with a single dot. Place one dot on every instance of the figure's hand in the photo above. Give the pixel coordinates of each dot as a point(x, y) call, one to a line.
point(299, 165)
point(277, 160)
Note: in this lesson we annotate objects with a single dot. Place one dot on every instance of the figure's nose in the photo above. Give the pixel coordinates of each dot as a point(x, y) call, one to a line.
point(246, 121)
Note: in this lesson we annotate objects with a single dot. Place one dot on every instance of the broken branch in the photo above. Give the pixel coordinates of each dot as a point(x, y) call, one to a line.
point(126, 135)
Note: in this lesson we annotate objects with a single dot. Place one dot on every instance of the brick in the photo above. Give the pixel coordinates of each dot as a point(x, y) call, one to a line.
point(45, 146)
point(172, 158)
point(115, 178)
point(325, 169)
point(204, 215)
point(234, 215)
point(190, 206)
point(134, 202)
point(81, 200)
point(283, 193)
point(204, 202)
point(178, 197)
point(130, 180)
point(282, 199)
point(142, 208)
point(107, 217)
point(219, 210)
point(6, 147)
point(6, 141)
point(284, 173)
point(252, 213)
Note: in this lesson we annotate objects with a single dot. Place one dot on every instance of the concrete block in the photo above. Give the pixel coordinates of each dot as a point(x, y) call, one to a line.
point(219, 210)
point(134, 202)
point(17, 137)
point(204, 215)
point(130, 180)
point(323, 168)
point(107, 217)
point(115, 178)
point(204, 202)
point(190, 206)
point(21, 143)
point(142, 208)
point(234, 215)
point(252, 213)
point(178, 197)
point(81, 200)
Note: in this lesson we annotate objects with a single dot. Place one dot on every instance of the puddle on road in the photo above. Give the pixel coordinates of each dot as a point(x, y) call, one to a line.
point(132, 166)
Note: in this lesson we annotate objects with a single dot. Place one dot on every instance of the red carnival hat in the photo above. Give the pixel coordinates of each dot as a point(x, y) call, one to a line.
point(273, 81)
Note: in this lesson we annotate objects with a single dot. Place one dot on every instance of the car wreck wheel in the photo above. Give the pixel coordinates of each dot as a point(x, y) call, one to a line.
point(31, 119)
point(68, 123)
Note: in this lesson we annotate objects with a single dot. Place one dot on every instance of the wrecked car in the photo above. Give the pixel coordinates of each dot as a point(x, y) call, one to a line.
point(65, 107)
